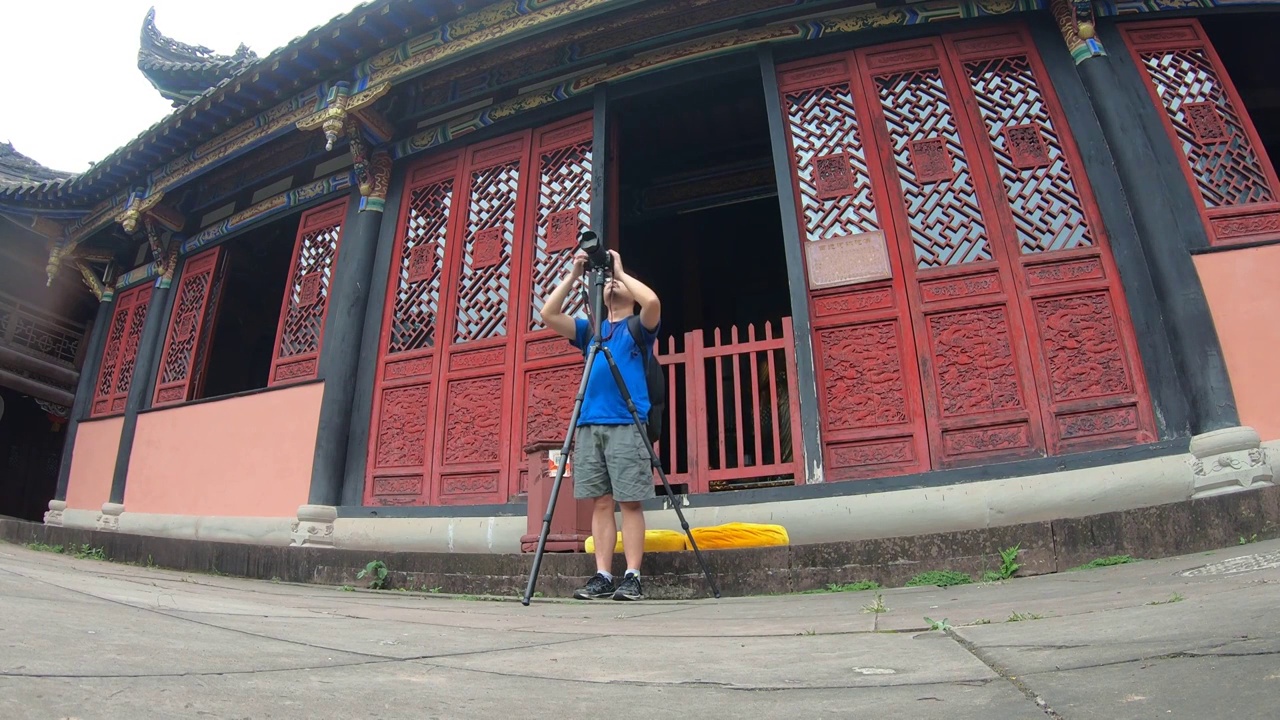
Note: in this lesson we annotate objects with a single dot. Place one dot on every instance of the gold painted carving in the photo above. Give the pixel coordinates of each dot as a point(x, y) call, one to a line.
point(333, 119)
point(135, 208)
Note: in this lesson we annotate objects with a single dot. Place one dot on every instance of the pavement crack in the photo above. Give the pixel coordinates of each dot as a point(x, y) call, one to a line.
point(1003, 672)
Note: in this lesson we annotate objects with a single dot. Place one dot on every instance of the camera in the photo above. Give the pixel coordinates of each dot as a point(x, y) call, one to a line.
point(597, 256)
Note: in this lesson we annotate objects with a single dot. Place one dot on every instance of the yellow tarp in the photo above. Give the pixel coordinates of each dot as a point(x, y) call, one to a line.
point(740, 535)
point(654, 541)
point(718, 537)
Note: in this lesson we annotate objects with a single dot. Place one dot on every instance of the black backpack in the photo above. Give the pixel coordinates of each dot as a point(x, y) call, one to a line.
point(654, 377)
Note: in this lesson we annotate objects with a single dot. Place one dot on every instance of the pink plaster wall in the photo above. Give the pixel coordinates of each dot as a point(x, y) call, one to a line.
point(248, 456)
point(93, 463)
point(1244, 298)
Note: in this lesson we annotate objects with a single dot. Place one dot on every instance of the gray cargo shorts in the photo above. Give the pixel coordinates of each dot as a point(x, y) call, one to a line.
point(612, 459)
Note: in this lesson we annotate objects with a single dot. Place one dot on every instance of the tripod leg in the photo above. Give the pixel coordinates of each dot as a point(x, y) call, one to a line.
point(555, 487)
point(656, 462)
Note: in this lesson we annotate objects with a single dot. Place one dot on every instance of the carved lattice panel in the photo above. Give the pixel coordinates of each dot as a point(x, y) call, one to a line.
point(182, 348)
point(1224, 163)
point(309, 292)
point(564, 207)
point(306, 297)
point(484, 287)
point(1037, 179)
point(120, 355)
point(942, 209)
point(836, 197)
point(417, 299)
point(111, 354)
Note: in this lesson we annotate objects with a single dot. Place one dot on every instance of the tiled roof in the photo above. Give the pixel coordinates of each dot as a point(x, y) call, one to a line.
point(341, 42)
point(180, 71)
point(18, 169)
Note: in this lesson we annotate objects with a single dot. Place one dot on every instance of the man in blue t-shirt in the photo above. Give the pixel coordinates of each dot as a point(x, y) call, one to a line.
point(610, 455)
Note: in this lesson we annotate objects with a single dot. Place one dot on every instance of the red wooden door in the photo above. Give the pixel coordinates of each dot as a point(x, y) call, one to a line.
point(980, 400)
point(1222, 156)
point(995, 328)
point(869, 385)
point(549, 369)
point(475, 396)
point(306, 297)
point(402, 432)
point(119, 355)
point(186, 342)
point(1090, 381)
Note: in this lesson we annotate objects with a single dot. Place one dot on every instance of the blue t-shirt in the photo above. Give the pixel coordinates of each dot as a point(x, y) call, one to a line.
point(603, 404)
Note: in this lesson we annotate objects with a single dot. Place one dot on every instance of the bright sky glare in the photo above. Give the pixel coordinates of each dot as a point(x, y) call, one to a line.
point(79, 94)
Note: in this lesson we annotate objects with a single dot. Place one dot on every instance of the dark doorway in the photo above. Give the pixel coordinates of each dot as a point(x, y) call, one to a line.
point(1246, 44)
point(30, 450)
point(699, 222)
point(699, 219)
point(255, 273)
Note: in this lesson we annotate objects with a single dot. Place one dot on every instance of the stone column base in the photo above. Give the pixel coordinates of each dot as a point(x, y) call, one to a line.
point(314, 526)
point(109, 520)
point(1228, 460)
point(53, 516)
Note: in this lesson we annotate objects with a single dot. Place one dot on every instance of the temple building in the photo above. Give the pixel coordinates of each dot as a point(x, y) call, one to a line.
point(925, 267)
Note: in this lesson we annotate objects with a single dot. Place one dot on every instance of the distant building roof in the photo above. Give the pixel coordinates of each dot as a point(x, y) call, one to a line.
point(183, 72)
point(18, 169)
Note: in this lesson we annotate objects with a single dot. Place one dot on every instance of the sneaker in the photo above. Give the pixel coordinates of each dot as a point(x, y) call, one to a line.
point(629, 589)
point(596, 588)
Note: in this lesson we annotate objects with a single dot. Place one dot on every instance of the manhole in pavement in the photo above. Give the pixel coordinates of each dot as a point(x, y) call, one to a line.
point(1247, 563)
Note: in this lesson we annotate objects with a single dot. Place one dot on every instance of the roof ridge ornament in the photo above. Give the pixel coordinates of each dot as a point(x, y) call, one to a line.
point(181, 72)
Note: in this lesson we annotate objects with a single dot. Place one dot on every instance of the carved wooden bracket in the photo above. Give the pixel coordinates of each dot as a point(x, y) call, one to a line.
point(339, 105)
point(1076, 22)
point(375, 200)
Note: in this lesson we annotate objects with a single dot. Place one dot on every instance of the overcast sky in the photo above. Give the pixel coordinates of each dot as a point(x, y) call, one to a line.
point(76, 93)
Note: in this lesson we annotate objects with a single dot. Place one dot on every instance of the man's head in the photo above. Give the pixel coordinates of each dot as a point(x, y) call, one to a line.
point(618, 297)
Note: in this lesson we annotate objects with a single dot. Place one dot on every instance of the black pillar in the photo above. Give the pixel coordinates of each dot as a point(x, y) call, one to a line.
point(85, 388)
point(1173, 414)
point(806, 384)
point(143, 382)
point(1167, 226)
point(370, 336)
point(340, 352)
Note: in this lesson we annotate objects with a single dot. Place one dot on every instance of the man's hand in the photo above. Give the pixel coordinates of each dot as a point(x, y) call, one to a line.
point(579, 265)
point(650, 306)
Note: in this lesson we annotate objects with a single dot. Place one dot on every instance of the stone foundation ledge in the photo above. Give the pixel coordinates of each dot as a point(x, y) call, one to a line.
point(1177, 528)
point(1223, 462)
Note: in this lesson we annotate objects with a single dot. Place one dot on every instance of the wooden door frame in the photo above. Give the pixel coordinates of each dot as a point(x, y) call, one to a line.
point(1013, 39)
point(512, 147)
point(405, 483)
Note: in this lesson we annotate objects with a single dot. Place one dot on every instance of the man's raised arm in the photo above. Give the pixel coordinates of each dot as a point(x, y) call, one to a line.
point(553, 307)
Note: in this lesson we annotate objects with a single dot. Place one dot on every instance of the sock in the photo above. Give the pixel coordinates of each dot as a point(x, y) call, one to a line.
point(633, 572)
point(607, 575)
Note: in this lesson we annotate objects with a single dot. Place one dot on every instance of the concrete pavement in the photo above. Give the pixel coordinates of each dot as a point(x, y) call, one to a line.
point(89, 639)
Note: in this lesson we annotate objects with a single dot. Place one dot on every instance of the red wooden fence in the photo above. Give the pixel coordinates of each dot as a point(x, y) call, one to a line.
point(733, 417)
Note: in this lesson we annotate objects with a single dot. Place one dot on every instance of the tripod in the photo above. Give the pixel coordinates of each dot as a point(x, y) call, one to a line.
point(596, 301)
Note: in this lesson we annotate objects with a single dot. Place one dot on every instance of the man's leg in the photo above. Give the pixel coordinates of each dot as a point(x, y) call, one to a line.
point(632, 534)
point(626, 452)
point(591, 482)
point(604, 528)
